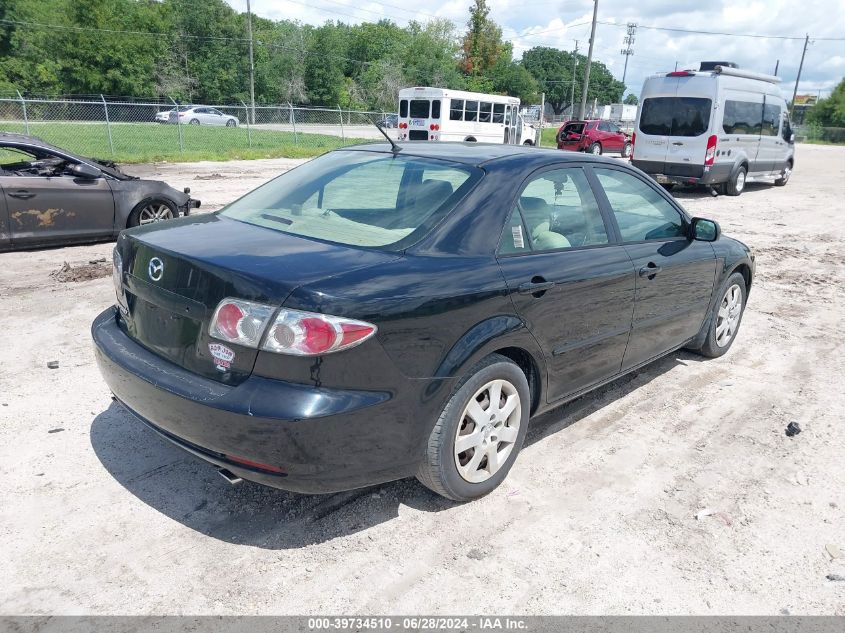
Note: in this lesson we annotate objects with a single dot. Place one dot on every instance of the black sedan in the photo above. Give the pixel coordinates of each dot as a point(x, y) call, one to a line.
point(49, 196)
point(380, 312)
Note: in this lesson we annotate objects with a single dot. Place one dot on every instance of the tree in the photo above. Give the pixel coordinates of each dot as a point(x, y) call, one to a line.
point(631, 99)
point(512, 78)
point(482, 43)
point(830, 112)
point(324, 77)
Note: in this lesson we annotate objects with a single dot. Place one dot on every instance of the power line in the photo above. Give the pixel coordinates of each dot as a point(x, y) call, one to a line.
point(721, 33)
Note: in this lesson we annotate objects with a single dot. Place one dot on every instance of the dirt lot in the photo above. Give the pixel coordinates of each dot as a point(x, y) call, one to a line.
point(98, 515)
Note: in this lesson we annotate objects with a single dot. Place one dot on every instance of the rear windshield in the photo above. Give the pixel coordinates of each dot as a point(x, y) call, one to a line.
point(420, 108)
point(675, 116)
point(358, 198)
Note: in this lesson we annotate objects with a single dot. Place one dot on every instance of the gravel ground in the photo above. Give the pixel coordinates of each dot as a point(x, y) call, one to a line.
point(100, 516)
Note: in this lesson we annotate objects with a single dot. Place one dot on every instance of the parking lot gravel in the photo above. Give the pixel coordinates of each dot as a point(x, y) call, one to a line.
point(674, 490)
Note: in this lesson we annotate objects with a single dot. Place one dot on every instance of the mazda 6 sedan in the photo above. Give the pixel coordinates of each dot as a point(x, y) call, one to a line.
point(380, 312)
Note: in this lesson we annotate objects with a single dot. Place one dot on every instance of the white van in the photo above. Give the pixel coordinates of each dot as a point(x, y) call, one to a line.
point(440, 114)
point(718, 126)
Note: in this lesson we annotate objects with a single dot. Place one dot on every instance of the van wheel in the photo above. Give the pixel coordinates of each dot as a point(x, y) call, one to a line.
point(784, 176)
point(735, 185)
point(595, 148)
point(480, 432)
point(626, 151)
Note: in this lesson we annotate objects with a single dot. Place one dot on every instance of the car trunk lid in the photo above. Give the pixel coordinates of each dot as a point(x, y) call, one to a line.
point(176, 273)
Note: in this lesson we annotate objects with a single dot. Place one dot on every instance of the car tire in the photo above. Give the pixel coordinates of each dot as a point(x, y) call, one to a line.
point(595, 149)
point(725, 317)
point(146, 210)
point(194, 122)
point(668, 186)
point(467, 475)
point(736, 185)
point(784, 176)
point(231, 123)
point(529, 143)
point(627, 149)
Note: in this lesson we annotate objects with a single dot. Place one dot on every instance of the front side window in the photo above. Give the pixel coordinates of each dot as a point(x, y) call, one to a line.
point(498, 113)
point(471, 111)
point(640, 211)
point(560, 211)
point(456, 110)
point(420, 108)
point(358, 198)
point(771, 120)
point(675, 116)
point(786, 129)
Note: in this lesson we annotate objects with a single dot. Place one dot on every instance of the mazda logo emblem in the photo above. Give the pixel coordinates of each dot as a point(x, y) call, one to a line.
point(155, 269)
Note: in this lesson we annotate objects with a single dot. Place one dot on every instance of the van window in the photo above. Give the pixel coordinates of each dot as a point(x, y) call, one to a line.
point(742, 117)
point(771, 120)
point(786, 130)
point(403, 108)
point(471, 112)
point(456, 110)
point(435, 109)
point(675, 116)
point(420, 108)
point(498, 113)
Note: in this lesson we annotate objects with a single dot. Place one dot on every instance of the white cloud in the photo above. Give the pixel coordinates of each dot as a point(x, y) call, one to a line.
point(550, 23)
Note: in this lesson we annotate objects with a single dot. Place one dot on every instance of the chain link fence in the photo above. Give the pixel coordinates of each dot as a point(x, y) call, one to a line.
point(820, 134)
point(142, 132)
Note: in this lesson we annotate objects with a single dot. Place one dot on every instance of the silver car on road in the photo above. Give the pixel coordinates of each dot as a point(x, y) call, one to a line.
point(201, 115)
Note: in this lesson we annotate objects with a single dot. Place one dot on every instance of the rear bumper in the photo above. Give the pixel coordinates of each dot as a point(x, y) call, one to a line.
point(685, 174)
point(323, 440)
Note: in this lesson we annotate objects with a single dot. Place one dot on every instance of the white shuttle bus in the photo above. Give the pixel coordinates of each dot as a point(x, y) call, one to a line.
point(440, 114)
point(719, 126)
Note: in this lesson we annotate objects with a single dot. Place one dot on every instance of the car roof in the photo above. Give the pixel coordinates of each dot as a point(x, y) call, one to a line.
point(475, 154)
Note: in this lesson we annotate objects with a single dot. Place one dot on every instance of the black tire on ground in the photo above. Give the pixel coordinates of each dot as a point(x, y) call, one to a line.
point(134, 218)
point(438, 470)
point(194, 122)
point(595, 148)
point(736, 185)
point(711, 348)
point(784, 176)
point(528, 142)
point(668, 186)
point(471, 139)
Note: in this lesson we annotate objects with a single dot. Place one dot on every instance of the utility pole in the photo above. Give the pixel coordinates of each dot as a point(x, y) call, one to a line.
point(777, 65)
point(798, 78)
point(628, 44)
point(251, 63)
point(589, 58)
point(574, 67)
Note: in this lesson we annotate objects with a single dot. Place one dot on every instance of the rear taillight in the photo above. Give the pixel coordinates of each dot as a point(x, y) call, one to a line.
point(310, 334)
point(710, 154)
point(633, 140)
point(292, 332)
point(433, 127)
point(240, 322)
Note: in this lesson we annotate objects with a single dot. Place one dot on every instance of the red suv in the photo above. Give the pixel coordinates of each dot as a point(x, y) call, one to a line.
point(593, 136)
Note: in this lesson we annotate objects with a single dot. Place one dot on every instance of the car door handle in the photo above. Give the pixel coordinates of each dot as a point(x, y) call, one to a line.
point(537, 286)
point(677, 143)
point(22, 194)
point(650, 270)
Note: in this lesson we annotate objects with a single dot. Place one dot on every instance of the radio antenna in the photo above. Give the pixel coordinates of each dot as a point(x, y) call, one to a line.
point(394, 147)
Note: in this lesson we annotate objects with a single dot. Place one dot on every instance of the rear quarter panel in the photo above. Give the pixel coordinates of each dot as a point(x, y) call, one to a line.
point(129, 193)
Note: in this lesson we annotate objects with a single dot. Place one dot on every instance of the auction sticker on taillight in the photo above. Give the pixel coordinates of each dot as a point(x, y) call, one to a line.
point(222, 356)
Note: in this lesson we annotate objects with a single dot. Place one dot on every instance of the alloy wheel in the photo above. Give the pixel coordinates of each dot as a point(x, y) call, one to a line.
point(727, 319)
point(155, 212)
point(487, 431)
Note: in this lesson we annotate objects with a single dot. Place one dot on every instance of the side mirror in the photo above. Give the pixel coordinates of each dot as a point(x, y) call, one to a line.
point(705, 230)
point(88, 172)
point(792, 138)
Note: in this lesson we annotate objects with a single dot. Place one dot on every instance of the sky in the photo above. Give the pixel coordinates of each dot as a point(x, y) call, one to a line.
point(559, 23)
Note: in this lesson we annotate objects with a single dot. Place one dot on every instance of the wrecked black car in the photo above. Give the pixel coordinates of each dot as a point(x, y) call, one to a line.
point(51, 197)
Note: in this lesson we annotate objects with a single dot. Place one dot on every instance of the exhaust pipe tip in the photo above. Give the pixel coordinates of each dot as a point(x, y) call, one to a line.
point(229, 476)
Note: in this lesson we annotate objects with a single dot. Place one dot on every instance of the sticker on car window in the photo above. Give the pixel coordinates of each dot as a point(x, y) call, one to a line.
point(518, 241)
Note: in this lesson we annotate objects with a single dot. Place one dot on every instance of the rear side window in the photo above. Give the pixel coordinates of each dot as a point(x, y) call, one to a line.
point(456, 110)
point(498, 113)
point(771, 120)
point(471, 111)
point(486, 112)
point(675, 116)
point(641, 212)
point(420, 108)
point(435, 109)
point(403, 108)
point(742, 117)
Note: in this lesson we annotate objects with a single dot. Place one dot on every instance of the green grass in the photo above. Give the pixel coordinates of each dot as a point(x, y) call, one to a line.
point(549, 137)
point(148, 142)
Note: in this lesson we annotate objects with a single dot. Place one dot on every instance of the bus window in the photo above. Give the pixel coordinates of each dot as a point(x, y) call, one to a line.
point(486, 109)
point(420, 108)
point(498, 113)
point(403, 108)
point(435, 109)
point(471, 112)
point(456, 112)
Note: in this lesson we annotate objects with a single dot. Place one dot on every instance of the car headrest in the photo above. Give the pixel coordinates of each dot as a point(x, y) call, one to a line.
point(433, 193)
